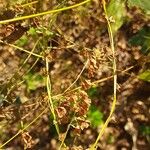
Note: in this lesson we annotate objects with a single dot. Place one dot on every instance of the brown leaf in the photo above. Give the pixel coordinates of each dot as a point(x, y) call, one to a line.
point(61, 112)
point(17, 33)
point(27, 140)
point(77, 130)
point(86, 84)
point(83, 123)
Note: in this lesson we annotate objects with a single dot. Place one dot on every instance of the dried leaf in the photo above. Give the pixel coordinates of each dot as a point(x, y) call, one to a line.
point(61, 112)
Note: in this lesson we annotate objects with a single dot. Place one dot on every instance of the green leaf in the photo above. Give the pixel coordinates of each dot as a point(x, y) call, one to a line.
point(116, 10)
point(145, 76)
point(142, 4)
point(142, 38)
point(32, 31)
point(95, 116)
point(145, 130)
point(34, 81)
point(22, 41)
point(44, 31)
point(92, 92)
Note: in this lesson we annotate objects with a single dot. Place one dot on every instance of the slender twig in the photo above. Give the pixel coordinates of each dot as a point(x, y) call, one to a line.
point(25, 61)
point(21, 82)
point(20, 131)
point(29, 4)
point(114, 77)
point(77, 76)
point(22, 49)
point(43, 13)
point(28, 57)
point(93, 83)
point(51, 105)
point(65, 135)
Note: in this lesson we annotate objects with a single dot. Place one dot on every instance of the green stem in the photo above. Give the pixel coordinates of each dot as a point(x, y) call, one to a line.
point(44, 13)
point(114, 76)
point(20, 131)
point(51, 105)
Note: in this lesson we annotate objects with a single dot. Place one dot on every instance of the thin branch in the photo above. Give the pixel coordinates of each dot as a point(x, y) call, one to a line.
point(77, 76)
point(51, 105)
point(93, 83)
point(114, 77)
point(44, 13)
point(21, 49)
point(20, 131)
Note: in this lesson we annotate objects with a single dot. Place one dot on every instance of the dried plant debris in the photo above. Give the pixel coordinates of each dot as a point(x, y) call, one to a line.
point(78, 75)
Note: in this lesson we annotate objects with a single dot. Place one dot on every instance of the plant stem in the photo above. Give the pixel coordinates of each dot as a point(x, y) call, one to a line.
point(20, 131)
point(44, 13)
point(114, 77)
point(51, 105)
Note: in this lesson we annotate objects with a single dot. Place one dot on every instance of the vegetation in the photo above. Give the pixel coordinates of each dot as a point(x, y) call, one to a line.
point(74, 74)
